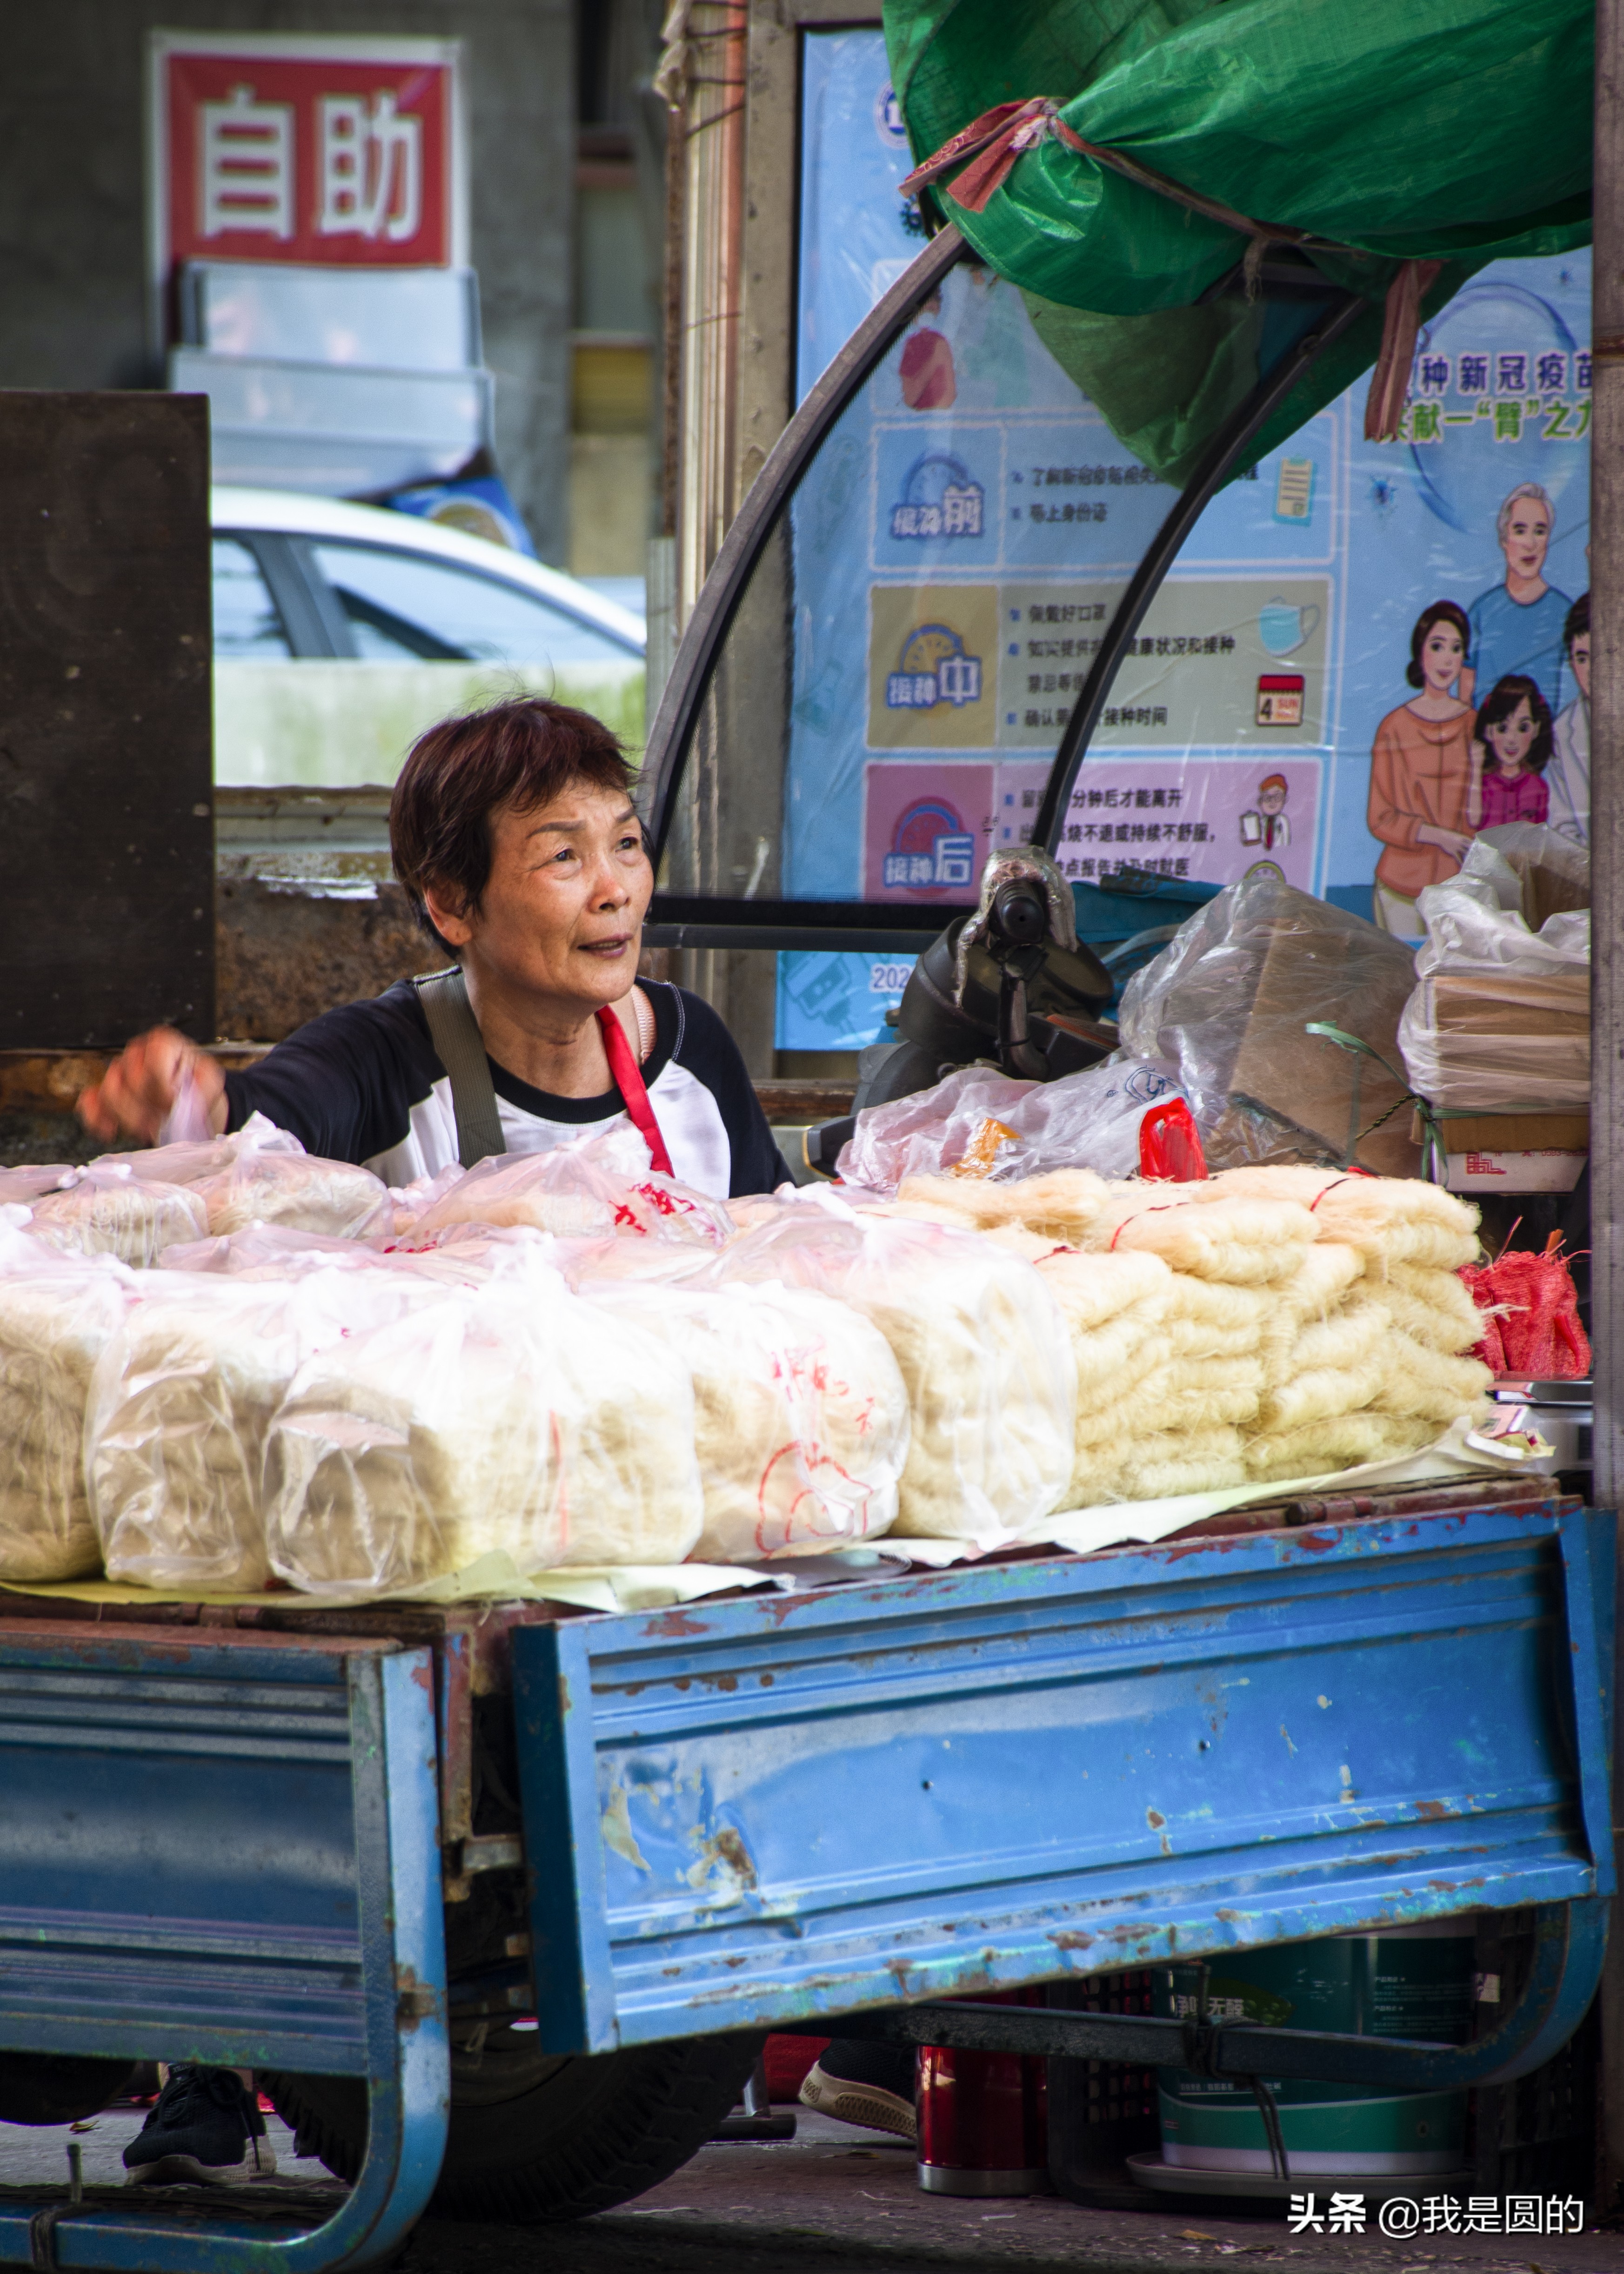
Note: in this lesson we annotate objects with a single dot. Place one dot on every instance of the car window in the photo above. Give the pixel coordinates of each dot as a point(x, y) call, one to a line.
point(247, 623)
point(400, 605)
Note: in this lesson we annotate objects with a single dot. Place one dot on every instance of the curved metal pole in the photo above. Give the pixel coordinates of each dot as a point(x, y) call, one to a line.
point(1214, 469)
point(791, 454)
point(1570, 1940)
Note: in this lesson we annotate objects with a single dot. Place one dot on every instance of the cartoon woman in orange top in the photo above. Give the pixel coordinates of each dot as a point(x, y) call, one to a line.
point(1421, 773)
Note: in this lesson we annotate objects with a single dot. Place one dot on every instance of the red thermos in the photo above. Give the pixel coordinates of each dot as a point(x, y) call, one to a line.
point(983, 2117)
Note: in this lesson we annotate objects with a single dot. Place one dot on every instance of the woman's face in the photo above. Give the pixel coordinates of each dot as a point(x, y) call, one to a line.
point(1509, 739)
point(1441, 652)
point(562, 916)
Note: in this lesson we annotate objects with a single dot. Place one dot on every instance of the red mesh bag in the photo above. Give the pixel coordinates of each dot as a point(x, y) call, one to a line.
point(1536, 1330)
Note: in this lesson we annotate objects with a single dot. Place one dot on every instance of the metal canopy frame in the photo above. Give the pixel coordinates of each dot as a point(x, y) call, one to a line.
point(714, 921)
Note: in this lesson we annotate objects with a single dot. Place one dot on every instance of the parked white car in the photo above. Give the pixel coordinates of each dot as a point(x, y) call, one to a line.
point(341, 631)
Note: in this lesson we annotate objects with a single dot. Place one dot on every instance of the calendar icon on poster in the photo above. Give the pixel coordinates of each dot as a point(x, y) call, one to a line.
point(1280, 698)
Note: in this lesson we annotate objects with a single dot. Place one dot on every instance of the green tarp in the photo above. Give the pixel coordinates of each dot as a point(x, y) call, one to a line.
point(1450, 129)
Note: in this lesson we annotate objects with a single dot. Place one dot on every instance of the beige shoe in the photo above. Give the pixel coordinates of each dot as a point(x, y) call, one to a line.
point(856, 2083)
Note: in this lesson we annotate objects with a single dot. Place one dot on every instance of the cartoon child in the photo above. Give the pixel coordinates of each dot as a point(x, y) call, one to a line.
point(1569, 774)
point(1511, 749)
point(1516, 626)
point(1266, 823)
point(1421, 772)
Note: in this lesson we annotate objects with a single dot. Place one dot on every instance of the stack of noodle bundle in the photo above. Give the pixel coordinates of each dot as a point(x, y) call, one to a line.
point(800, 1415)
point(980, 1343)
point(1182, 1429)
point(57, 1315)
point(1399, 1335)
point(183, 1398)
point(506, 1418)
point(1114, 1307)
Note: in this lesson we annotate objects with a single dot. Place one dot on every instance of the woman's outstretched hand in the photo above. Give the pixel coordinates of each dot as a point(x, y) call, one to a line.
point(142, 1086)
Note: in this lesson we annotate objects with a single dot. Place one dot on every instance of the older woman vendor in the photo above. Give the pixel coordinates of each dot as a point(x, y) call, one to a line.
point(514, 832)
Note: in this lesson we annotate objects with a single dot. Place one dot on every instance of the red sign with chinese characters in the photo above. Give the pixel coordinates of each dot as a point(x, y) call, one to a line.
point(322, 156)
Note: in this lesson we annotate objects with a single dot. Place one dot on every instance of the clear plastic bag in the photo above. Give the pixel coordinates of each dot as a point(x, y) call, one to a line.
point(57, 1316)
point(1228, 1002)
point(265, 1183)
point(510, 1419)
point(984, 1351)
point(1499, 1018)
point(800, 1414)
point(979, 1122)
point(585, 1190)
point(266, 1251)
point(22, 1186)
point(183, 1399)
point(108, 1210)
point(188, 1160)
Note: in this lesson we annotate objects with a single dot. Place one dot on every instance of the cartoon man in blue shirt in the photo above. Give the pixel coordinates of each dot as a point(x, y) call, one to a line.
point(1517, 625)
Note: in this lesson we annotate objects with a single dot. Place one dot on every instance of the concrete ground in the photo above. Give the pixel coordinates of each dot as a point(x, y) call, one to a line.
point(838, 2200)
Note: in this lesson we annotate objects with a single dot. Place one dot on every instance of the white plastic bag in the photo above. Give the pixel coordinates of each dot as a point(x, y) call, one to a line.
point(978, 1122)
point(182, 1401)
point(108, 1210)
point(801, 1413)
point(508, 1417)
point(57, 1315)
point(985, 1354)
point(188, 1160)
point(585, 1190)
point(266, 1183)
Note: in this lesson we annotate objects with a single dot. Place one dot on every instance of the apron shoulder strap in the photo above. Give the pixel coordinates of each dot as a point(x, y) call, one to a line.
point(454, 1032)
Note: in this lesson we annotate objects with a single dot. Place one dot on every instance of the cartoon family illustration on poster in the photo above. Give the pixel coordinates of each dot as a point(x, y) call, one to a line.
point(1498, 729)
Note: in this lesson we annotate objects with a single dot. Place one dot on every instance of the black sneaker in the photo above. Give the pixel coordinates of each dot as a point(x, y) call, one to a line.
point(863, 2083)
point(205, 2126)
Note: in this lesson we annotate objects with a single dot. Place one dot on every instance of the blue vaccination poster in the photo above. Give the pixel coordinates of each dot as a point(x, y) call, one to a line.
point(1364, 653)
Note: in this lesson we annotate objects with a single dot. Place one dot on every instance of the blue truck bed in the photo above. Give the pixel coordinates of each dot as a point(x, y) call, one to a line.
point(230, 1843)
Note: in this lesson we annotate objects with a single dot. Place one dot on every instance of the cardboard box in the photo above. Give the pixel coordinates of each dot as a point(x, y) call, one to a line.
point(1546, 1170)
point(1512, 1132)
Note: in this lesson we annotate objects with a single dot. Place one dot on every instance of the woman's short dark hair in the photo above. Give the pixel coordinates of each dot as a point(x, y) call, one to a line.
point(1441, 612)
point(1500, 704)
point(464, 772)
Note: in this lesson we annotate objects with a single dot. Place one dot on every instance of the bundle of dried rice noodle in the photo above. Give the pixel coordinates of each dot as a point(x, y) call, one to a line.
point(110, 1212)
point(1431, 1385)
point(984, 1350)
point(1337, 1441)
point(1432, 1307)
point(183, 1400)
point(1335, 1364)
point(1389, 1219)
point(1243, 1242)
point(57, 1315)
point(510, 1417)
point(1159, 1467)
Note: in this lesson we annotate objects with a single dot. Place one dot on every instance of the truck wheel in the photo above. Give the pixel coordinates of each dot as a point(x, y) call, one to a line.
point(57, 2088)
point(537, 2136)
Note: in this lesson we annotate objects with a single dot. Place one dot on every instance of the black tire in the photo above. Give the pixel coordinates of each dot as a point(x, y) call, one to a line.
point(58, 2088)
point(536, 2137)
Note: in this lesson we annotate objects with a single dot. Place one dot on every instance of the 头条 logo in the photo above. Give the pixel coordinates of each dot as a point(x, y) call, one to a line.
point(933, 668)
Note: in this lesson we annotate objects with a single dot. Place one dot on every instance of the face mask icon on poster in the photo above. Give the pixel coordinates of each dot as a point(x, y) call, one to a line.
point(1282, 629)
